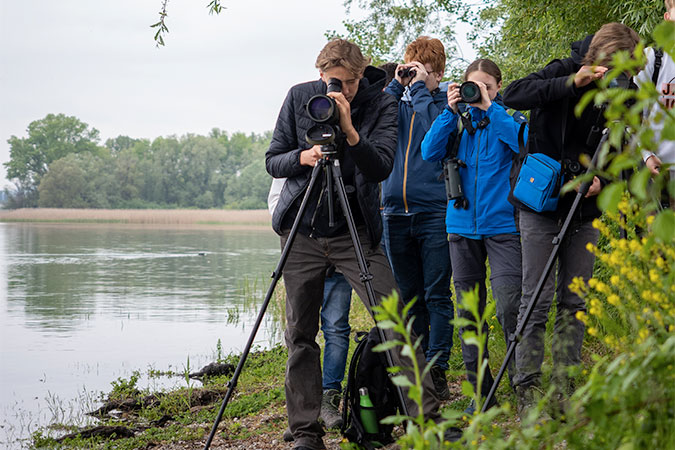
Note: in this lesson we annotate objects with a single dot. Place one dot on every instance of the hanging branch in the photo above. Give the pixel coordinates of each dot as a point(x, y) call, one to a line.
point(161, 25)
point(214, 7)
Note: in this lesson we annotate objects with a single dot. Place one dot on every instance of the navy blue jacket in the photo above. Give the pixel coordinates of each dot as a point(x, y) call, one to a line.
point(414, 185)
point(488, 155)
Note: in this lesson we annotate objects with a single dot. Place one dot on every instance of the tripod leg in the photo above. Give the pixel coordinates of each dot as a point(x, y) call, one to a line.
point(366, 276)
point(276, 275)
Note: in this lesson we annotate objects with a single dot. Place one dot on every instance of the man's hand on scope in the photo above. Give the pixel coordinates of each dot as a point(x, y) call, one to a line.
point(593, 189)
point(346, 125)
point(653, 163)
point(587, 74)
point(310, 156)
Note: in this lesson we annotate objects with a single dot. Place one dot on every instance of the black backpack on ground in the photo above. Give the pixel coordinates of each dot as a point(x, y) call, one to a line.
point(368, 369)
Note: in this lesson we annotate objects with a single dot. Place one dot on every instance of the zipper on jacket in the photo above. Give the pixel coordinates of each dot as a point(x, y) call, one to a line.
point(405, 167)
point(475, 184)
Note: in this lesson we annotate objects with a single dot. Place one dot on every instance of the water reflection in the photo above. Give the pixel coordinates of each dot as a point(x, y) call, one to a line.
point(82, 305)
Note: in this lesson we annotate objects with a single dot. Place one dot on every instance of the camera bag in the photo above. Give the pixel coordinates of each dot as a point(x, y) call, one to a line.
point(368, 369)
point(538, 183)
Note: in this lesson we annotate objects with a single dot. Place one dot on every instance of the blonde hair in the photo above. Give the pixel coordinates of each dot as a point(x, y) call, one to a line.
point(609, 39)
point(427, 51)
point(342, 53)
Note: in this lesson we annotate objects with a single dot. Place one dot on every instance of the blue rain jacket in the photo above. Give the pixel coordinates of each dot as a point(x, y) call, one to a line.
point(488, 155)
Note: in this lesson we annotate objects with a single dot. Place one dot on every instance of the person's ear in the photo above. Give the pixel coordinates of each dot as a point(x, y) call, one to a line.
point(499, 86)
point(439, 76)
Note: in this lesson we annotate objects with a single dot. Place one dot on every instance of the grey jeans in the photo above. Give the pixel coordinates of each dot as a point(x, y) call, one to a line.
point(574, 260)
point(304, 275)
point(468, 266)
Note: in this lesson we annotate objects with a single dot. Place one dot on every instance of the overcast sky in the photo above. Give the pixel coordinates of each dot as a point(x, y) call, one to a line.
point(97, 61)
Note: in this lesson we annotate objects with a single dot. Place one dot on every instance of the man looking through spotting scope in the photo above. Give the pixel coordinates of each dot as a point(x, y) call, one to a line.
point(367, 120)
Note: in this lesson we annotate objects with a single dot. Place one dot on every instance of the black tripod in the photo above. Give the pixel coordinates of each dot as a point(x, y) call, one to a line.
point(557, 241)
point(329, 164)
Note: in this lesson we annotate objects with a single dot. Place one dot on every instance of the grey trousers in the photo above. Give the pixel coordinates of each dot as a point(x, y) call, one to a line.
point(574, 260)
point(304, 275)
point(468, 266)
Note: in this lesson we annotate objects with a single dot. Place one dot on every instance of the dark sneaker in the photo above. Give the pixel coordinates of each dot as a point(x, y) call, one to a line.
point(471, 409)
point(330, 409)
point(440, 383)
point(288, 436)
point(452, 434)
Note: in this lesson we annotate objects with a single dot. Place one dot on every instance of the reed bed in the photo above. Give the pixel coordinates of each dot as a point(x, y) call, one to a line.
point(240, 218)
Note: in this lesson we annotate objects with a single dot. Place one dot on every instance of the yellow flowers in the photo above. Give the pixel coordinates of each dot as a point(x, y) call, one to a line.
point(631, 296)
point(613, 299)
point(577, 285)
point(653, 276)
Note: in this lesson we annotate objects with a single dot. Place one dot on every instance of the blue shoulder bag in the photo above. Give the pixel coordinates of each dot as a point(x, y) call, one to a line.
point(538, 183)
point(540, 177)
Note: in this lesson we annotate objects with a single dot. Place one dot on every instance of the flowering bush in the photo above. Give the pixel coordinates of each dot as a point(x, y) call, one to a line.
point(632, 298)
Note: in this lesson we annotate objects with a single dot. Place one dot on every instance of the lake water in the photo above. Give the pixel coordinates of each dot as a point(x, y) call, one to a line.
point(82, 305)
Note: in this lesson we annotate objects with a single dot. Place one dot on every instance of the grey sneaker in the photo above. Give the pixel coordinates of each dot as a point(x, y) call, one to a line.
point(528, 398)
point(440, 382)
point(330, 408)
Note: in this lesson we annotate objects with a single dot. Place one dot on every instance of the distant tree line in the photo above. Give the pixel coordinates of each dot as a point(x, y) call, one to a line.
point(62, 165)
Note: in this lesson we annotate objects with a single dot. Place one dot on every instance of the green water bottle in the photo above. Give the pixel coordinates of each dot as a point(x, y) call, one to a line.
point(368, 416)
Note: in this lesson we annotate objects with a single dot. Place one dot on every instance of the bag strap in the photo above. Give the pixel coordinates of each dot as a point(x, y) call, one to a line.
point(658, 58)
point(452, 149)
point(521, 138)
point(564, 126)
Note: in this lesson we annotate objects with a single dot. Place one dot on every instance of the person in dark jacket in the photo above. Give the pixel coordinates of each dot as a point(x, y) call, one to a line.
point(486, 228)
point(413, 207)
point(368, 120)
point(552, 94)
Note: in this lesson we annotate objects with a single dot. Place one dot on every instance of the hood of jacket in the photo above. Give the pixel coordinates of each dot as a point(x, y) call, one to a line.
point(580, 48)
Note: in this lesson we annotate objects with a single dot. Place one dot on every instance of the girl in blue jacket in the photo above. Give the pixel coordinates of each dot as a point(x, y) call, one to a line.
point(483, 227)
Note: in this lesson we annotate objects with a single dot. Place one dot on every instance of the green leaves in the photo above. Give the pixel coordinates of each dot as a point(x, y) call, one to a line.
point(664, 225)
point(610, 196)
point(161, 25)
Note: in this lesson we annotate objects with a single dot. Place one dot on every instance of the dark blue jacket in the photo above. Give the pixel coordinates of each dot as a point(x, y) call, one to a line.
point(414, 185)
point(488, 155)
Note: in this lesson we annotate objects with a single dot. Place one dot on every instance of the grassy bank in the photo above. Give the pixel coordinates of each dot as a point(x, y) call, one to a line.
point(255, 417)
point(172, 217)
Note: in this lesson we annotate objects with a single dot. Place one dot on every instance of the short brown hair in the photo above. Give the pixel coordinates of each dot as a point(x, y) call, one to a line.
point(484, 65)
point(342, 53)
point(427, 50)
point(609, 39)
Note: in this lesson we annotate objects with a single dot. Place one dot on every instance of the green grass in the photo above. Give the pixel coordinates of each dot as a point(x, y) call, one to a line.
point(260, 388)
